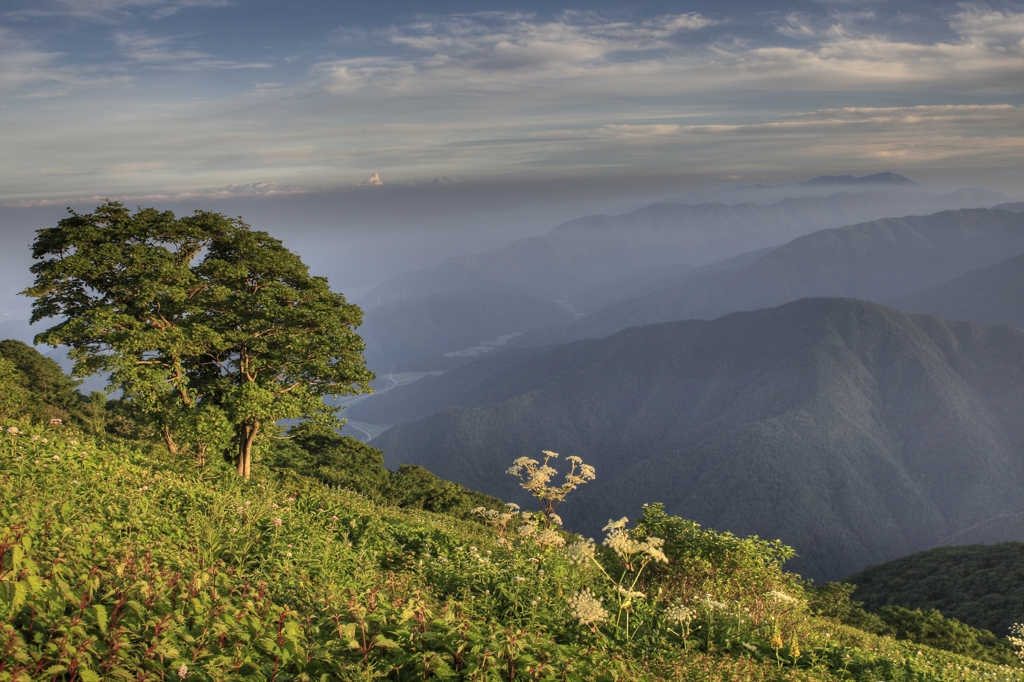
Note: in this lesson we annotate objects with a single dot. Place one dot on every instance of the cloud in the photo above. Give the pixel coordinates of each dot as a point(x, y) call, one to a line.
point(256, 189)
point(372, 181)
point(157, 52)
point(102, 9)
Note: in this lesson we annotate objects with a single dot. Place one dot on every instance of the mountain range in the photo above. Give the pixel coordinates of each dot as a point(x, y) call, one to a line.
point(883, 261)
point(855, 432)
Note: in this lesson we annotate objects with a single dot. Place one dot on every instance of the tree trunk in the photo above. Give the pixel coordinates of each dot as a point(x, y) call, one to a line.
point(172, 447)
point(247, 434)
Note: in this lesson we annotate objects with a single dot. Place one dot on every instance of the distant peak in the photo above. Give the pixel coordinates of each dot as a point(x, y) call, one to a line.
point(885, 178)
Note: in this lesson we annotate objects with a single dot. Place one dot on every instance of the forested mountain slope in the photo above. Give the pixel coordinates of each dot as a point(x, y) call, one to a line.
point(981, 585)
point(856, 433)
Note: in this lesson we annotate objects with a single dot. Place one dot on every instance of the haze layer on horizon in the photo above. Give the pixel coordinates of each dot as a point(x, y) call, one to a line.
point(201, 100)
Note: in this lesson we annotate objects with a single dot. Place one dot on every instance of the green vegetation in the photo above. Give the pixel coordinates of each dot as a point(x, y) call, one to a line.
point(981, 585)
point(118, 564)
point(923, 627)
point(210, 329)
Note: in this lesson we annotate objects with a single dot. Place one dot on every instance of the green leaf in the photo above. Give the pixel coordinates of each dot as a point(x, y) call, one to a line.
point(101, 617)
point(89, 675)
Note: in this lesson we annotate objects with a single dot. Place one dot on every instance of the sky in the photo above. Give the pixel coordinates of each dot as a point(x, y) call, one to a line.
point(190, 99)
point(479, 122)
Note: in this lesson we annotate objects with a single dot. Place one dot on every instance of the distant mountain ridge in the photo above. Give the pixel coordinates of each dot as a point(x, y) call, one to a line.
point(881, 261)
point(992, 295)
point(855, 432)
point(586, 252)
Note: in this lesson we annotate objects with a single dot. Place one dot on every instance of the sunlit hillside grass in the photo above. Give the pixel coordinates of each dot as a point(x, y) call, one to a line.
point(118, 565)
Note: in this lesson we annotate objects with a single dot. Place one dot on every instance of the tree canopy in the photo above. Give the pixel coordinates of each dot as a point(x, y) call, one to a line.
point(206, 325)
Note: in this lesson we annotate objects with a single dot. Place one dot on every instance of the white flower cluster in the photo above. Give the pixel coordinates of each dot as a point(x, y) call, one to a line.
point(580, 552)
point(630, 594)
point(680, 614)
point(1016, 638)
point(549, 537)
point(535, 476)
point(587, 608)
point(783, 598)
point(621, 541)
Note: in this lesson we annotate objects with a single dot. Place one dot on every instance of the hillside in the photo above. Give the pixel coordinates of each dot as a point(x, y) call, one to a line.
point(118, 564)
point(992, 295)
point(877, 261)
point(981, 585)
point(856, 433)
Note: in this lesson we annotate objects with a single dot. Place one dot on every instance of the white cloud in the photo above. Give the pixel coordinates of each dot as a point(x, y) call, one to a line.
point(372, 181)
point(158, 51)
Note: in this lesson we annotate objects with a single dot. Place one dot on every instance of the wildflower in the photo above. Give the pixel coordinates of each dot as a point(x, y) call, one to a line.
point(73, 442)
point(290, 499)
point(334, 518)
point(34, 438)
point(289, 546)
point(442, 559)
point(782, 597)
point(528, 529)
point(536, 476)
point(519, 578)
point(630, 594)
point(512, 506)
point(750, 647)
point(13, 430)
point(713, 605)
point(549, 537)
point(240, 510)
point(278, 522)
point(776, 641)
point(616, 525)
point(55, 422)
point(587, 608)
point(182, 671)
point(555, 519)
point(794, 648)
point(580, 552)
point(234, 530)
point(56, 458)
point(288, 554)
point(677, 613)
point(275, 505)
point(43, 440)
point(247, 503)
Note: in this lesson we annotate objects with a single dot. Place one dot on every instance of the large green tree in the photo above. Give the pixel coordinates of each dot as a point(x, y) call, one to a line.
point(202, 322)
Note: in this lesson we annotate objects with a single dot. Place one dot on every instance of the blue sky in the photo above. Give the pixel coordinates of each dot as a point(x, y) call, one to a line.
point(178, 100)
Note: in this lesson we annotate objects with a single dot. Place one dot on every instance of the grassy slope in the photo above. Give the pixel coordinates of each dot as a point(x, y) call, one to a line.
point(116, 566)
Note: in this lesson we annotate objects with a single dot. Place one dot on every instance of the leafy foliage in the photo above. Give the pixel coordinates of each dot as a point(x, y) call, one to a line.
point(204, 323)
point(116, 564)
point(928, 627)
